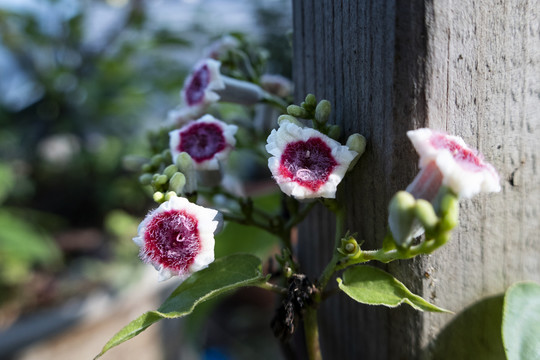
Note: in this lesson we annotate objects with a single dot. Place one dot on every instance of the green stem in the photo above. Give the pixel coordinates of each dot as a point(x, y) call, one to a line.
point(332, 265)
point(311, 332)
point(275, 101)
point(385, 256)
point(273, 288)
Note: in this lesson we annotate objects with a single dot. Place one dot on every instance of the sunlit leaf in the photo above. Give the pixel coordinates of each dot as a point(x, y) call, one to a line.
point(223, 275)
point(521, 321)
point(372, 286)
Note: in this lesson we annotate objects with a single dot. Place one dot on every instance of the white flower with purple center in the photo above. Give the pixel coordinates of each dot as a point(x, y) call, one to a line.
point(447, 160)
point(177, 238)
point(207, 140)
point(305, 162)
point(199, 88)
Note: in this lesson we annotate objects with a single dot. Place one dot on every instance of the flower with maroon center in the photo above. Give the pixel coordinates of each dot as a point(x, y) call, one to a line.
point(305, 162)
point(177, 238)
point(206, 140)
point(446, 160)
point(199, 88)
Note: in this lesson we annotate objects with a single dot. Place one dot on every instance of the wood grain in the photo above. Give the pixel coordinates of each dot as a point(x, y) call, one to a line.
point(470, 68)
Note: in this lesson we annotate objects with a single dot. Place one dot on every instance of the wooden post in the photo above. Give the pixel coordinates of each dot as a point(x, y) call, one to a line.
point(471, 68)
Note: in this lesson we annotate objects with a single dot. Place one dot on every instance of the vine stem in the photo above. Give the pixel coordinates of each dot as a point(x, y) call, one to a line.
point(311, 327)
point(311, 330)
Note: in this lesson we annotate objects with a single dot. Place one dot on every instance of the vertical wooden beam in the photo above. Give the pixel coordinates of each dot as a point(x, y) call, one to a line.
point(470, 68)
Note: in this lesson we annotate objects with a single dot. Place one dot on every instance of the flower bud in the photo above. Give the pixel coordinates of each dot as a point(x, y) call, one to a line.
point(349, 247)
point(426, 214)
point(356, 142)
point(291, 119)
point(156, 160)
point(170, 170)
point(147, 168)
point(177, 183)
point(334, 132)
point(160, 179)
point(311, 100)
point(401, 217)
point(449, 211)
point(297, 111)
point(158, 197)
point(184, 162)
point(322, 111)
point(145, 179)
point(169, 195)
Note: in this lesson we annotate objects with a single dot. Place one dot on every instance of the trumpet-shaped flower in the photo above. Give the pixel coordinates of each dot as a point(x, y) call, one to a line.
point(206, 140)
point(447, 160)
point(177, 238)
point(201, 86)
point(306, 163)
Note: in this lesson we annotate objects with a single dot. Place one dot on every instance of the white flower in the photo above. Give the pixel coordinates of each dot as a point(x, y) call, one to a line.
point(199, 88)
point(177, 238)
point(447, 160)
point(206, 140)
point(305, 162)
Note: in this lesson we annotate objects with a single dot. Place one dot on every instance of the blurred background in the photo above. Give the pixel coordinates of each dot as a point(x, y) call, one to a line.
point(81, 83)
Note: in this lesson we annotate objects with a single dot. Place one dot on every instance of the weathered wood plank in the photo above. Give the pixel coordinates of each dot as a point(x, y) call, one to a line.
point(471, 68)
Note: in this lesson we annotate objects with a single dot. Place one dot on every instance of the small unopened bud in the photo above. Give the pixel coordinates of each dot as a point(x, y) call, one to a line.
point(147, 168)
point(177, 183)
point(311, 100)
point(145, 179)
point(401, 217)
point(322, 111)
point(289, 118)
point(169, 195)
point(356, 142)
point(450, 212)
point(158, 197)
point(297, 111)
point(349, 247)
point(184, 162)
point(167, 157)
point(426, 214)
point(334, 132)
point(170, 170)
point(156, 160)
point(160, 179)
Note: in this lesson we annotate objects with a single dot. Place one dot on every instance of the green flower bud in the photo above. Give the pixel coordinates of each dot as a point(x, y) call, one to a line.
point(160, 179)
point(147, 168)
point(322, 112)
point(311, 100)
point(349, 247)
point(145, 179)
point(158, 197)
point(334, 132)
point(177, 183)
point(426, 214)
point(356, 142)
point(169, 195)
point(156, 160)
point(167, 157)
point(170, 170)
point(291, 119)
point(297, 111)
point(401, 217)
point(184, 162)
point(450, 212)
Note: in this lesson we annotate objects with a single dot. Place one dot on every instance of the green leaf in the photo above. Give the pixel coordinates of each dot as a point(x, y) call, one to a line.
point(521, 321)
point(372, 286)
point(223, 275)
